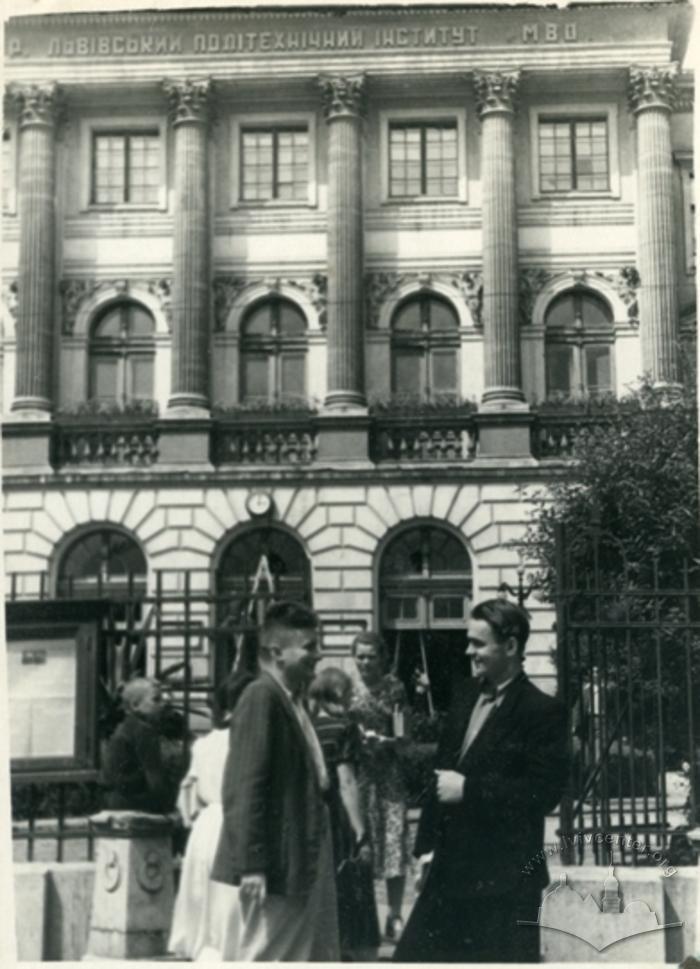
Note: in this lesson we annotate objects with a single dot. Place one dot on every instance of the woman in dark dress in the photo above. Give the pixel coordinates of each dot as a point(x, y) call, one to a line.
point(329, 698)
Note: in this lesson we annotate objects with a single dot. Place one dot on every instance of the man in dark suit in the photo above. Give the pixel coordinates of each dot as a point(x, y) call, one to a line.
point(502, 766)
point(275, 839)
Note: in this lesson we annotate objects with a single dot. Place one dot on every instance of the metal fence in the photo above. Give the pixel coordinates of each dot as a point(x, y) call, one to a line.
point(628, 654)
point(180, 631)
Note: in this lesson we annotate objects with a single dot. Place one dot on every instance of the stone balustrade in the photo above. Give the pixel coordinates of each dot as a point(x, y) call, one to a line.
point(424, 439)
point(280, 440)
point(124, 444)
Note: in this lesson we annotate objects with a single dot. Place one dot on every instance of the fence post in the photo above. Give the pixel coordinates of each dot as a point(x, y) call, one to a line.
point(566, 817)
point(134, 889)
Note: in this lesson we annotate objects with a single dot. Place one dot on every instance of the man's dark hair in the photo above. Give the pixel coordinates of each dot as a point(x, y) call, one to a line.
point(506, 619)
point(285, 614)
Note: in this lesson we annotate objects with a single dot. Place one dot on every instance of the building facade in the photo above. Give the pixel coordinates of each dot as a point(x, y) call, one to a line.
point(284, 291)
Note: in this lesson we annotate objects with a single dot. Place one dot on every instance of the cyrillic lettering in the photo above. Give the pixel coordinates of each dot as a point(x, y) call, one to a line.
point(81, 46)
point(214, 42)
point(175, 45)
point(569, 32)
point(550, 32)
point(265, 40)
point(54, 47)
point(132, 45)
point(118, 44)
point(356, 37)
point(530, 32)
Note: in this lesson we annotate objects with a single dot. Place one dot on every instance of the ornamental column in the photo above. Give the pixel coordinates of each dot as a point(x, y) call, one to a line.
point(343, 101)
point(190, 103)
point(39, 106)
point(652, 95)
point(495, 94)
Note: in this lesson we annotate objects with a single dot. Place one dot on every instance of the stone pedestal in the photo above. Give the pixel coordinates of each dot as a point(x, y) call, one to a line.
point(343, 436)
point(652, 96)
point(495, 93)
point(189, 114)
point(134, 893)
point(26, 444)
point(343, 99)
point(38, 110)
point(184, 439)
point(504, 434)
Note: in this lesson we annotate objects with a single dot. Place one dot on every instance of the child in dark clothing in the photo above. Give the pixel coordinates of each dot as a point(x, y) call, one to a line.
point(134, 771)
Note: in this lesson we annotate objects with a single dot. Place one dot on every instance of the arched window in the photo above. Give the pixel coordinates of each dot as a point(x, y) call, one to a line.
point(257, 565)
point(103, 562)
point(273, 352)
point(122, 353)
point(424, 348)
point(579, 338)
point(425, 583)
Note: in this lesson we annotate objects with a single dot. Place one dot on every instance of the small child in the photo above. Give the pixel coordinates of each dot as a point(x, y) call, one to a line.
point(134, 772)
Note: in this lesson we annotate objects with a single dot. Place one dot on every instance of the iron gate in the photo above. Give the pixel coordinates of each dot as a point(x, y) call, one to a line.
point(628, 654)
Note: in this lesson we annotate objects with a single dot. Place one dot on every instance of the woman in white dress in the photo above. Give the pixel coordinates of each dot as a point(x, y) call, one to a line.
point(205, 911)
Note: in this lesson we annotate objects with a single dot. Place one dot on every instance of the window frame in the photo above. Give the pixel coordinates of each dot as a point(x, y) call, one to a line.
point(428, 341)
point(91, 128)
point(122, 350)
point(9, 129)
point(426, 116)
point(276, 121)
point(275, 346)
point(579, 339)
point(573, 113)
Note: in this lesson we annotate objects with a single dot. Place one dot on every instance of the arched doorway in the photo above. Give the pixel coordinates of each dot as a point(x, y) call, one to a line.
point(258, 564)
point(99, 563)
point(425, 588)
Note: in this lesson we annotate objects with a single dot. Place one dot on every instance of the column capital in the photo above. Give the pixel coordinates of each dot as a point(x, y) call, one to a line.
point(343, 96)
point(38, 104)
point(496, 91)
point(652, 87)
point(189, 100)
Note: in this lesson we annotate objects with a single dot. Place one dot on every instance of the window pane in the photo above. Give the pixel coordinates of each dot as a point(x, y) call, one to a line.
point(444, 371)
point(442, 316)
point(291, 319)
point(561, 311)
point(109, 169)
point(103, 382)
point(401, 607)
point(407, 371)
point(595, 311)
point(110, 325)
point(408, 316)
point(255, 369)
point(259, 321)
point(256, 165)
point(141, 322)
point(560, 368)
point(140, 369)
point(598, 376)
point(448, 607)
point(292, 374)
point(144, 172)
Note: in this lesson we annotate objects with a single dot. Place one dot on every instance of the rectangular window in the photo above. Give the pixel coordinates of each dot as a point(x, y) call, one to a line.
point(125, 167)
point(423, 159)
point(274, 164)
point(573, 155)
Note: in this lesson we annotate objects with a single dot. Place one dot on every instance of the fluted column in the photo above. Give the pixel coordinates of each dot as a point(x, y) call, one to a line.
point(495, 93)
point(39, 105)
point(652, 95)
point(190, 103)
point(343, 99)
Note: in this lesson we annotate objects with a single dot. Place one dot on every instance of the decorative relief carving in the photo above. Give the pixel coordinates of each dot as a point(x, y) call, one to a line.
point(627, 282)
point(37, 103)
point(189, 100)
point(10, 295)
point(75, 290)
point(162, 289)
point(227, 289)
point(496, 91)
point(531, 282)
point(470, 286)
point(685, 99)
point(342, 96)
point(378, 288)
point(653, 87)
point(111, 870)
point(149, 873)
